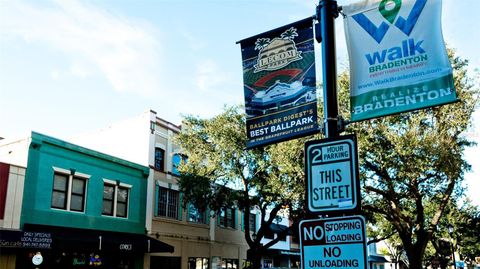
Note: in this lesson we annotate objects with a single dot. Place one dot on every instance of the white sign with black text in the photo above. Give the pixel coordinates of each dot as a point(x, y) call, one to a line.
point(332, 174)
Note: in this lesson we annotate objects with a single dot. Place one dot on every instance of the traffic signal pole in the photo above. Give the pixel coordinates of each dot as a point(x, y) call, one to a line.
point(327, 11)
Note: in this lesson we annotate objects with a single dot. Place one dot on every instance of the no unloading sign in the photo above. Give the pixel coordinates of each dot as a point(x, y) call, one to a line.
point(333, 243)
point(332, 174)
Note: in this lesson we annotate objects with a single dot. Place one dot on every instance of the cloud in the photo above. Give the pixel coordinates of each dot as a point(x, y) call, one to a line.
point(209, 76)
point(123, 51)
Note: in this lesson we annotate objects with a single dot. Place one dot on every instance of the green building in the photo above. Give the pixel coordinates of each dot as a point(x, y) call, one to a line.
point(80, 208)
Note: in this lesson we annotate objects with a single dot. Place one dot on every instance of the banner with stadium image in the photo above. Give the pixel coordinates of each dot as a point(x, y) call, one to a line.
point(279, 84)
point(398, 59)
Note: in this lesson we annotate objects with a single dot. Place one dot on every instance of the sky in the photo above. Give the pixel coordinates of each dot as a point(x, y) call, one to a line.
point(68, 67)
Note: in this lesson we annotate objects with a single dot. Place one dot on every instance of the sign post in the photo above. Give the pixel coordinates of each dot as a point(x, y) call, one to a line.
point(331, 168)
point(334, 242)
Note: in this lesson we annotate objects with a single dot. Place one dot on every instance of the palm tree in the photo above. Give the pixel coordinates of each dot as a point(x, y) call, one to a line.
point(261, 43)
point(289, 34)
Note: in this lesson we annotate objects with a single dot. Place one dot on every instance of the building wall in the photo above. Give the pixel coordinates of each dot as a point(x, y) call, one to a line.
point(12, 194)
point(47, 154)
point(12, 178)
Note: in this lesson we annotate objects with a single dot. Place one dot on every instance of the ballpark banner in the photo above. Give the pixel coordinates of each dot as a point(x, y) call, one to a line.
point(398, 60)
point(279, 84)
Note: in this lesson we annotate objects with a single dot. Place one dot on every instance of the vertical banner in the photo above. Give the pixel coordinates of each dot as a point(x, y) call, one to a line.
point(279, 84)
point(398, 60)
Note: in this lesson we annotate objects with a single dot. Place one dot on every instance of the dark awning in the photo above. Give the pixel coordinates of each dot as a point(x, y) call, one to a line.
point(278, 228)
point(279, 252)
point(84, 239)
point(377, 258)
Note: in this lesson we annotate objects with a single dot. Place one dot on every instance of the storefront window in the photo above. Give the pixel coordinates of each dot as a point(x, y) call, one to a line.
point(229, 263)
point(198, 263)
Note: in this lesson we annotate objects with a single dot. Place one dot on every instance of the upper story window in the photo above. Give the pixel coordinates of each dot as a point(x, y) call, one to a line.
point(226, 218)
point(160, 159)
point(196, 215)
point(69, 190)
point(168, 203)
point(177, 159)
point(252, 222)
point(115, 199)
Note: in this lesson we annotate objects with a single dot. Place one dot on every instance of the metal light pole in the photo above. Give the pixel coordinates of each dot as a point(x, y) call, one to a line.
point(450, 231)
point(327, 11)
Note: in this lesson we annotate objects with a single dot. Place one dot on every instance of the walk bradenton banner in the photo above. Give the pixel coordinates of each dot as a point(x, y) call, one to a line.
point(398, 59)
point(280, 84)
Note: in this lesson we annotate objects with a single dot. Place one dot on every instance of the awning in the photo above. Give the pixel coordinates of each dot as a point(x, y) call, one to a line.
point(84, 239)
point(376, 258)
point(279, 252)
point(278, 228)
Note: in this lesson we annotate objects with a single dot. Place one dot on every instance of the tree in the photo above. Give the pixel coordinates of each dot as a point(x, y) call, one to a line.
point(411, 164)
point(221, 173)
point(465, 220)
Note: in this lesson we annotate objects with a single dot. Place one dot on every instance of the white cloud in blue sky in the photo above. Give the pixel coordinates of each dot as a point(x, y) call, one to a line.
point(92, 40)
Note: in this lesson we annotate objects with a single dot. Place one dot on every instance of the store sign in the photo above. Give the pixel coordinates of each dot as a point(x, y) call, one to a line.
point(333, 243)
point(398, 60)
point(280, 84)
point(332, 174)
point(18, 239)
point(37, 240)
point(125, 246)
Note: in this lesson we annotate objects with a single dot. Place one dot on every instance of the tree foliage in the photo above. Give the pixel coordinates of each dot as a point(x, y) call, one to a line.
point(220, 173)
point(412, 164)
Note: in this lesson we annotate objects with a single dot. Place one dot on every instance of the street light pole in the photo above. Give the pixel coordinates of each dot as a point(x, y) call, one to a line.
point(327, 11)
point(450, 231)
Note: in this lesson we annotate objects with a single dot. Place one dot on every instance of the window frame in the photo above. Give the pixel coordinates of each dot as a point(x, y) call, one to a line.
point(252, 222)
point(203, 214)
point(68, 192)
point(227, 261)
point(204, 261)
point(224, 221)
point(169, 204)
point(175, 163)
point(160, 162)
point(115, 201)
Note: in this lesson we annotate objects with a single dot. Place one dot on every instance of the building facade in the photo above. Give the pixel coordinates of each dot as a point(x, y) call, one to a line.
point(80, 208)
point(200, 240)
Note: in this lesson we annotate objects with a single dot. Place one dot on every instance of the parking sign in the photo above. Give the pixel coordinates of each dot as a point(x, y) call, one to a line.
point(332, 175)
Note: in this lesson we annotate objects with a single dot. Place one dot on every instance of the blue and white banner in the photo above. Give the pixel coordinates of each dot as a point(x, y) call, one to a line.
point(398, 60)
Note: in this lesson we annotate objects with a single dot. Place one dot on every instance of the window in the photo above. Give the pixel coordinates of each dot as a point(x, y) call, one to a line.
point(252, 222)
point(195, 214)
point(229, 263)
point(159, 159)
point(168, 201)
point(68, 191)
point(177, 159)
point(198, 263)
point(226, 217)
point(115, 199)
